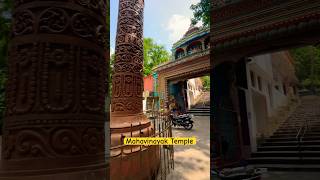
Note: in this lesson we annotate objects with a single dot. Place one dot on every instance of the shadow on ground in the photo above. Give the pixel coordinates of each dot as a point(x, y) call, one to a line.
point(193, 162)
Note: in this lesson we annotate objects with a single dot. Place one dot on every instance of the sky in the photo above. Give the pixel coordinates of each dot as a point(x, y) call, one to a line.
point(165, 21)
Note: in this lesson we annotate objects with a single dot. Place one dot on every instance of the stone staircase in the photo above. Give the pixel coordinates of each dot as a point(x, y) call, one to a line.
point(281, 150)
point(200, 111)
point(202, 108)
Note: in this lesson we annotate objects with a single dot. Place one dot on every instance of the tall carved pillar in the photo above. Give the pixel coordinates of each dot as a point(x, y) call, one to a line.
point(127, 118)
point(55, 116)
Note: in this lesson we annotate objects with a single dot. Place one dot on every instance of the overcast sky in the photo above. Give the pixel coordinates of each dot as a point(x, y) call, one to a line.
point(164, 20)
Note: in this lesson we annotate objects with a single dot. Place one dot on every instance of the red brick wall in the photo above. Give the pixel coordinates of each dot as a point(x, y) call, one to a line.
point(148, 83)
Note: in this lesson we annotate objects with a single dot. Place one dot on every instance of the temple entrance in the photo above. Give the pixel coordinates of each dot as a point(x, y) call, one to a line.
point(178, 92)
point(190, 94)
point(227, 145)
point(267, 108)
point(254, 45)
point(191, 60)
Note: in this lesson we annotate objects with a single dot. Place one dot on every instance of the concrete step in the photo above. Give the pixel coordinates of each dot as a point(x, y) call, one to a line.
point(295, 131)
point(200, 114)
point(284, 160)
point(289, 148)
point(286, 154)
point(293, 136)
point(281, 151)
point(291, 139)
point(312, 128)
point(205, 111)
point(292, 126)
point(288, 167)
point(199, 110)
point(291, 143)
point(298, 124)
point(288, 134)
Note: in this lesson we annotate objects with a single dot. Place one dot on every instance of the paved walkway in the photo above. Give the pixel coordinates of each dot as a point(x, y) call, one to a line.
point(193, 162)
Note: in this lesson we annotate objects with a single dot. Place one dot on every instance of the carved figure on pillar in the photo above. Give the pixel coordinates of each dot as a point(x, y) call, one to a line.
point(127, 118)
point(55, 114)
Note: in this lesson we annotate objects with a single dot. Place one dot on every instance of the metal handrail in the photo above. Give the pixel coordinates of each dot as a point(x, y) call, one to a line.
point(300, 135)
point(304, 127)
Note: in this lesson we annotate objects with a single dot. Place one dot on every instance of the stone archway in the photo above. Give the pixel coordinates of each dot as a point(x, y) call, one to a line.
point(248, 27)
point(194, 66)
point(245, 28)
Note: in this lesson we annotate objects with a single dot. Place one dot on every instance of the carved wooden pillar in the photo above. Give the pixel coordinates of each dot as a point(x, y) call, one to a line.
point(55, 116)
point(127, 118)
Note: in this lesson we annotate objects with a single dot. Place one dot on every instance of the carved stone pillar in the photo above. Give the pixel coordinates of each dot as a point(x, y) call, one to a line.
point(127, 118)
point(55, 116)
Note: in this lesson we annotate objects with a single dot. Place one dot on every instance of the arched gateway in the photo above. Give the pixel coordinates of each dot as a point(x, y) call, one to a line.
point(190, 59)
point(244, 28)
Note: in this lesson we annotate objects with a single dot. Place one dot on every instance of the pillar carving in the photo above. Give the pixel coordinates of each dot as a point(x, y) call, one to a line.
point(55, 114)
point(127, 118)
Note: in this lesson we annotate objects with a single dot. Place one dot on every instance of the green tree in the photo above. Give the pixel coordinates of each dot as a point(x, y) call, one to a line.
point(307, 65)
point(201, 12)
point(206, 82)
point(154, 54)
point(112, 59)
point(111, 66)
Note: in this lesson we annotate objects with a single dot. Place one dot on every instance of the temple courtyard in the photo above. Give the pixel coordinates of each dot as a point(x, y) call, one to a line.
point(193, 162)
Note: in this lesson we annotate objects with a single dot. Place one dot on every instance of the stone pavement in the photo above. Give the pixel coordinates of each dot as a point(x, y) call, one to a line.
point(193, 162)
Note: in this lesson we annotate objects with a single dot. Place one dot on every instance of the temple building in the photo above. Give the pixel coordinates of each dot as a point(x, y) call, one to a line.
point(266, 87)
point(151, 100)
point(248, 94)
point(272, 86)
point(194, 91)
point(190, 59)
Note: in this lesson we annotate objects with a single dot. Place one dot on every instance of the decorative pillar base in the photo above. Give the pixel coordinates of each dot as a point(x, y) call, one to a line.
point(94, 172)
point(142, 165)
point(132, 161)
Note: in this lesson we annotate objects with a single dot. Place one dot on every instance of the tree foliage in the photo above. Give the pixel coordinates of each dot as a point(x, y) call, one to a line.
point(154, 54)
point(206, 82)
point(307, 65)
point(201, 12)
